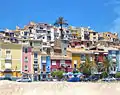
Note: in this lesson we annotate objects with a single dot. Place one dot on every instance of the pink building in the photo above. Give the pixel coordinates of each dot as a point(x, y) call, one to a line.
point(26, 60)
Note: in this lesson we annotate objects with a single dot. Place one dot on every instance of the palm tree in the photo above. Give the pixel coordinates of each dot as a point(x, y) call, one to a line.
point(61, 22)
point(106, 64)
point(86, 67)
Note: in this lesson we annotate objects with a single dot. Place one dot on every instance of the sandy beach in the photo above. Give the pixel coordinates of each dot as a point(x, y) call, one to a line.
point(58, 88)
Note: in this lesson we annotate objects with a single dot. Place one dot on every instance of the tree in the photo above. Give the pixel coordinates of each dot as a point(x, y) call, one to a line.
point(61, 22)
point(117, 75)
point(104, 74)
point(86, 67)
point(57, 74)
point(106, 64)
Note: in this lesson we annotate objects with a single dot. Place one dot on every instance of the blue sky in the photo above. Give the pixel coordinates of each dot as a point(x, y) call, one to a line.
point(100, 15)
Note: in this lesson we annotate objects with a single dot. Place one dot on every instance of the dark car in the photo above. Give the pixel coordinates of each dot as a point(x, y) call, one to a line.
point(118, 79)
point(7, 78)
point(74, 79)
point(93, 78)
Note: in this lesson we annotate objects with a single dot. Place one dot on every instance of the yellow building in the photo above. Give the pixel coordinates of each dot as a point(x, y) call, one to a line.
point(10, 59)
point(78, 56)
point(110, 36)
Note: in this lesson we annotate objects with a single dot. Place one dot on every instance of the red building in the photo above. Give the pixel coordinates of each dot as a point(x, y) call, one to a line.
point(61, 63)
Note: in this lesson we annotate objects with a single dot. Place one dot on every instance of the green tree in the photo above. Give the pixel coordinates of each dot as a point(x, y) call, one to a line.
point(57, 74)
point(61, 22)
point(117, 75)
point(106, 64)
point(104, 74)
point(86, 67)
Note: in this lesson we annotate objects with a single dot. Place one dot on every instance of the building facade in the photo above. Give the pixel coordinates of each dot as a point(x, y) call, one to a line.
point(11, 64)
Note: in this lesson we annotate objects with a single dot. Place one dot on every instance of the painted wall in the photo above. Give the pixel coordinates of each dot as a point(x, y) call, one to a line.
point(28, 64)
point(118, 60)
point(48, 64)
point(56, 64)
point(38, 59)
point(75, 57)
point(16, 54)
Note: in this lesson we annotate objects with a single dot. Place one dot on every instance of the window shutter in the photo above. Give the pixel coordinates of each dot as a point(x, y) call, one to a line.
point(29, 49)
point(23, 49)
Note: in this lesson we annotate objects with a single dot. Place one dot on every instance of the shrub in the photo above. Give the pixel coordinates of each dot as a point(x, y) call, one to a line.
point(86, 71)
point(117, 75)
point(58, 74)
point(75, 71)
point(104, 74)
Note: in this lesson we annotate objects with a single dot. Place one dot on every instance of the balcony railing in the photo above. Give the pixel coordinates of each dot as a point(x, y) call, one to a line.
point(8, 57)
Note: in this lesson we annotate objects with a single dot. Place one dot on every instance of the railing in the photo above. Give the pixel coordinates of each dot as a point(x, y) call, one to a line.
point(8, 57)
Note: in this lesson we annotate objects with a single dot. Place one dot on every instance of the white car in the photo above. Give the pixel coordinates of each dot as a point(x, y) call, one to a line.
point(24, 80)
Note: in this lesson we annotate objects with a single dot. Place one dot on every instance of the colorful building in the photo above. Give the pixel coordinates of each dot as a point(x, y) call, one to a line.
point(79, 56)
point(26, 60)
point(45, 66)
point(61, 63)
point(11, 64)
point(36, 63)
point(114, 57)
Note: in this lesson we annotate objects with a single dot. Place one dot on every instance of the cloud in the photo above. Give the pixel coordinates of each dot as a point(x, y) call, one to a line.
point(112, 2)
point(116, 22)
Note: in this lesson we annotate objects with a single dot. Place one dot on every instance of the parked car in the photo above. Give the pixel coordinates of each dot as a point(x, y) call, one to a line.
point(93, 78)
point(24, 80)
point(74, 79)
point(86, 79)
point(118, 79)
point(7, 78)
point(109, 79)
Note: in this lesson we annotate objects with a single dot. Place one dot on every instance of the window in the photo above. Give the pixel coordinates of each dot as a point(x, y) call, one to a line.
point(35, 62)
point(44, 68)
point(43, 37)
point(64, 48)
point(26, 59)
point(94, 37)
point(62, 62)
point(53, 62)
point(75, 61)
point(35, 55)
point(26, 50)
point(7, 52)
point(94, 33)
point(75, 65)
point(25, 33)
point(48, 32)
point(26, 67)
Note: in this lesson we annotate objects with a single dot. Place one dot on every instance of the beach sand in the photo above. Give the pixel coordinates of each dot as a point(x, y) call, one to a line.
point(58, 88)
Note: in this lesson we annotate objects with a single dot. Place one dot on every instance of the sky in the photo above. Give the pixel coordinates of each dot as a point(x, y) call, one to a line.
point(100, 15)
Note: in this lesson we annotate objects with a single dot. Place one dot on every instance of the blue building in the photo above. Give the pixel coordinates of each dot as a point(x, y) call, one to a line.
point(45, 67)
point(114, 58)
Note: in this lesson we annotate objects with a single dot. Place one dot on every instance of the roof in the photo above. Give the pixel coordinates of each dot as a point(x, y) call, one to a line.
point(76, 50)
point(56, 57)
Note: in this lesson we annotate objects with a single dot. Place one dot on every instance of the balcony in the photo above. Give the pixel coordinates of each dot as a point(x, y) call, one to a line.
point(114, 60)
point(8, 65)
point(35, 65)
point(8, 57)
point(43, 61)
